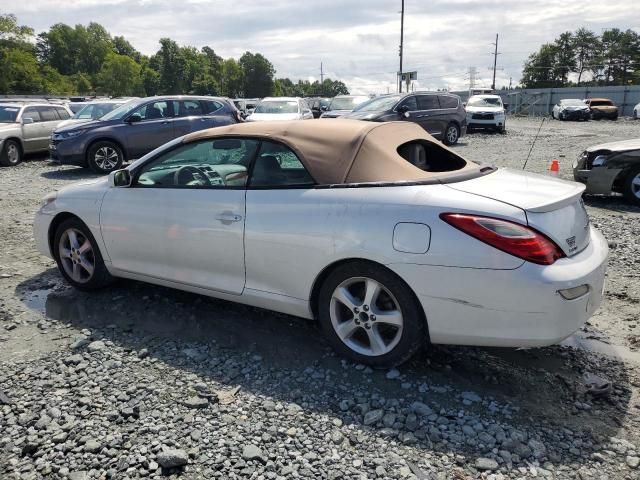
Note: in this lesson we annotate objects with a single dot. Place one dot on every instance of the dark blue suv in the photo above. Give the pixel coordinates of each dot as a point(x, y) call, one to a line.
point(137, 127)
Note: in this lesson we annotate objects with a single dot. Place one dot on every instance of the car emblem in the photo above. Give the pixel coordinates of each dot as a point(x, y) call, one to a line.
point(571, 241)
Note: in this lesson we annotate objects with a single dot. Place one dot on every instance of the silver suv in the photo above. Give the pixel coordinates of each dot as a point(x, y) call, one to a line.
point(26, 127)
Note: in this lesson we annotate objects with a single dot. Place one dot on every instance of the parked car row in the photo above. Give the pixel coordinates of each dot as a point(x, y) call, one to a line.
point(587, 109)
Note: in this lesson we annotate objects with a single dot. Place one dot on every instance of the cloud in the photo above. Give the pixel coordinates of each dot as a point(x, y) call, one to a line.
point(356, 41)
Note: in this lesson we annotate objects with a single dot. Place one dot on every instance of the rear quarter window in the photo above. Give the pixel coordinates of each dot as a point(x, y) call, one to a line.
point(211, 106)
point(447, 101)
point(430, 157)
point(62, 113)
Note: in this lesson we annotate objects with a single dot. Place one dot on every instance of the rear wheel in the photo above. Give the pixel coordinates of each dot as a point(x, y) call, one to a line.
point(635, 114)
point(451, 134)
point(631, 188)
point(78, 257)
point(104, 157)
point(370, 316)
point(11, 154)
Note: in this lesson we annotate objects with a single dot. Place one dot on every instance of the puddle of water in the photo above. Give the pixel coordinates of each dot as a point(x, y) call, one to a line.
point(590, 344)
point(37, 299)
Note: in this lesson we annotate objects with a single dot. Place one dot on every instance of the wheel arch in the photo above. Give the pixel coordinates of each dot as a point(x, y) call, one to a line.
point(55, 223)
point(18, 140)
point(120, 145)
point(326, 271)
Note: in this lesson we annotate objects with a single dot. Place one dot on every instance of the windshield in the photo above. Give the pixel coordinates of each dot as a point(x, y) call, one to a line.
point(95, 110)
point(8, 114)
point(485, 102)
point(277, 106)
point(121, 111)
point(601, 103)
point(573, 103)
point(346, 103)
point(378, 104)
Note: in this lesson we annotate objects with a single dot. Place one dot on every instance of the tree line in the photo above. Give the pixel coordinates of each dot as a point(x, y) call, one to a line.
point(584, 58)
point(87, 60)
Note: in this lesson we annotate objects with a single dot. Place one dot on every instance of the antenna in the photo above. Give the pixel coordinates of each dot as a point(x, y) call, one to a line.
point(533, 143)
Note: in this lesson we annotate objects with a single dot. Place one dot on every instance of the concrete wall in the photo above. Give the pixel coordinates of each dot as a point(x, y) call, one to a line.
point(540, 101)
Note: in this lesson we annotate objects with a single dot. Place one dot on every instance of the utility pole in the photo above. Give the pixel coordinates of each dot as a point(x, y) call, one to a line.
point(321, 80)
point(472, 77)
point(401, 45)
point(495, 60)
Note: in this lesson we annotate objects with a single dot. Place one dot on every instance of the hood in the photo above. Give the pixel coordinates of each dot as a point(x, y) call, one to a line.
point(363, 115)
point(72, 122)
point(88, 189)
point(85, 125)
point(622, 146)
point(259, 117)
point(574, 107)
point(335, 113)
point(488, 109)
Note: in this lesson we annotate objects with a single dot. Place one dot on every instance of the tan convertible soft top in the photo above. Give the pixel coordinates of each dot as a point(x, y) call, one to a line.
point(342, 150)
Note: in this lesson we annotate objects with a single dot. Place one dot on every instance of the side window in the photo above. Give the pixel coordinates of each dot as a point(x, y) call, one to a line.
point(153, 111)
point(447, 101)
point(428, 102)
point(212, 163)
point(278, 166)
point(31, 112)
point(62, 113)
point(211, 107)
point(187, 108)
point(410, 103)
point(48, 114)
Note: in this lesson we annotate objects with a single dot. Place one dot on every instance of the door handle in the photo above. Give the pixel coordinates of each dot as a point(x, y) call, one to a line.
point(229, 218)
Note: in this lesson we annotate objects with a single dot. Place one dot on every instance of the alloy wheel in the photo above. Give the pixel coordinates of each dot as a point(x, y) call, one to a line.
point(13, 154)
point(452, 134)
point(366, 316)
point(106, 158)
point(635, 186)
point(76, 255)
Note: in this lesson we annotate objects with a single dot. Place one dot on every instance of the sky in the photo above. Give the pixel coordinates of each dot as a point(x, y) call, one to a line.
point(356, 40)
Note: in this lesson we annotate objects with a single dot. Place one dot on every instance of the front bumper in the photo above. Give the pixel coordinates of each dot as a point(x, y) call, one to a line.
point(598, 180)
point(509, 308)
point(68, 152)
point(496, 121)
point(576, 114)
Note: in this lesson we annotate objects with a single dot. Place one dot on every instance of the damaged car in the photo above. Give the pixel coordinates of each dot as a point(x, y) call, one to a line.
point(386, 237)
point(611, 168)
point(571, 109)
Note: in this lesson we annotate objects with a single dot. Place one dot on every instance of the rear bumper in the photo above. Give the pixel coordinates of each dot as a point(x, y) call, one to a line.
point(509, 308)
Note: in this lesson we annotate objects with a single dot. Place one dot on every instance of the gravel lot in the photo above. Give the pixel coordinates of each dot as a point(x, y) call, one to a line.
point(142, 381)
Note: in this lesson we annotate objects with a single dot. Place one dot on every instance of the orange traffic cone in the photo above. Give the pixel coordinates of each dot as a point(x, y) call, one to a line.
point(554, 169)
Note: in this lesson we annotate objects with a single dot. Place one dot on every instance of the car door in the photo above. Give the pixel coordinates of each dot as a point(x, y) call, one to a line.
point(279, 201)
point(407, 110)
point(430, 115)
point(33, 134)
point(193, 115)
point(50, 120)
point(182, 219)
point(154, 128)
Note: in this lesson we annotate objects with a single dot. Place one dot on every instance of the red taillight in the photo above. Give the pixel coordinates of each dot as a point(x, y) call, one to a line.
point(515, 239)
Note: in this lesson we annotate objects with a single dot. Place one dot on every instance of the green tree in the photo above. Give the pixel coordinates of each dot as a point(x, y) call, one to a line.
point(150, 81)
point(82, 84)
point(20, 72)
point(586, 45)
point(121, 46)
point(565, 58)
point(170, 64)
point(120, 76)
point(55, 83)
point(12, 34)
point(231, 85)
point(258, 75)
point(539, 70)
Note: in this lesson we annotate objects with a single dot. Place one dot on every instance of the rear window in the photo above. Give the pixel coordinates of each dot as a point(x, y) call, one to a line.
point(428, 102)
point(447, 101)
point(430, 157)
point(601, 103)
point(211, 106)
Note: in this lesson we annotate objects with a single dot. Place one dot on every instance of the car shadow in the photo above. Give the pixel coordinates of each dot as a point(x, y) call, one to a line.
point(522, 389)
point(69, 173)
point(615, 203)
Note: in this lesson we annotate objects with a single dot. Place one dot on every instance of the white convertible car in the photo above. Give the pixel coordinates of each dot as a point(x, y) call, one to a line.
point(378, 231)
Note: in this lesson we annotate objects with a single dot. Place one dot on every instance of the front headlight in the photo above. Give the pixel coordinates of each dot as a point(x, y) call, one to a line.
point(72, 133)
point(599, 161)
point(48, 199)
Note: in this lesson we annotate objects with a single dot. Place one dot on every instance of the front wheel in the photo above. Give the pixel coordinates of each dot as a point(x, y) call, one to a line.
point(78, 257)
point(451, 134)
point(631, 188)
point(11, 154)
point(104, 157)
point(370, 316)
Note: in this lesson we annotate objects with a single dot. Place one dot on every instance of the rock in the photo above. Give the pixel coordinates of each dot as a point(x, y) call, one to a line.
point(393, 373)
point(373, 417)
point(79, 343)
point(486, 464)
point(196, 402)
point(172, 458)
point(96, 346)
point(80, 475)
point(421, 409)
point(92, 446)
point(471, 397)
point(144, 353)
point(153, 466)
point(633, 462)
point(252, 452)
point(73, 359)
point(4, 399)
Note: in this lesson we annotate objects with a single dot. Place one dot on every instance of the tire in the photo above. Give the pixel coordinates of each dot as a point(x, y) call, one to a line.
point(635, 114)
point(11, 154)
point(365, 338)
point(104, 157)
point(74, 265)
point(631, 186)
point(501, 129)
point(561, 117)
point(451, 134)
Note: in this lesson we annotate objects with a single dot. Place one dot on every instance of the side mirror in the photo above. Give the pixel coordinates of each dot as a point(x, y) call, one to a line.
point(136, 117)
point(464, 104)
point(406, 114)
point(27, 120)
point(120, 178)
point(403, 109)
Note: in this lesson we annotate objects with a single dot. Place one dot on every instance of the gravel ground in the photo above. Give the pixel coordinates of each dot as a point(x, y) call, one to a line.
point(142, 381)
